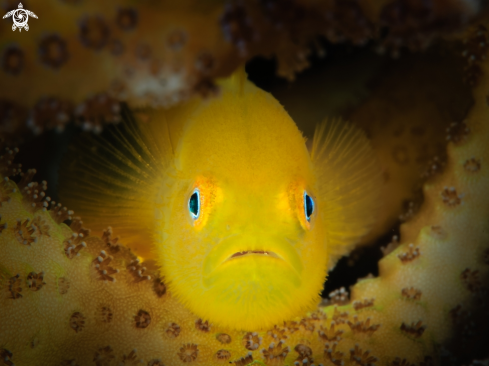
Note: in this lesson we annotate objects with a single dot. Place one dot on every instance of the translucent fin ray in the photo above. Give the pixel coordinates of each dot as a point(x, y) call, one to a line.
point(117, 179)
point(349, 184)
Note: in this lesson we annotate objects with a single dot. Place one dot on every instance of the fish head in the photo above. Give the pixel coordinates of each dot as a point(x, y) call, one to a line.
point(241, 241)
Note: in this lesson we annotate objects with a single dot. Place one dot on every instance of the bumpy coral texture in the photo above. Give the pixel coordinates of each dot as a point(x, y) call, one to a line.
point(68, 298)
point(159, 53)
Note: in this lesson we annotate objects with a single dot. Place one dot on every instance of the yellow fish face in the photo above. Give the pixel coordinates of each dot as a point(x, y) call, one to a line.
point(242, 231)
point(225, 197)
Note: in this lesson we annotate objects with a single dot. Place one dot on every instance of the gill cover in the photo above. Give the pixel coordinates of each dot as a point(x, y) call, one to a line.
point(252, 248)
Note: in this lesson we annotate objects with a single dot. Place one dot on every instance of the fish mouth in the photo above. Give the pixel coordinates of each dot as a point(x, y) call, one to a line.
point(254, 252)
point(238, 251)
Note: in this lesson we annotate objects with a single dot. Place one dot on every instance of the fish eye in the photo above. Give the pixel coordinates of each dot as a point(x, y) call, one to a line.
point(194, 204)
point(308, 206)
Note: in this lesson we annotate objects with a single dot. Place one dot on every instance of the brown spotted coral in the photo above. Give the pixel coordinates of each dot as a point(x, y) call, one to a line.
point(79, 60)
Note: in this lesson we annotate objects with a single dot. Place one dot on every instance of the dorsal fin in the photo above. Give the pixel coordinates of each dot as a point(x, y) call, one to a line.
point(240, 78)
point(349, 177)
point(236, 82)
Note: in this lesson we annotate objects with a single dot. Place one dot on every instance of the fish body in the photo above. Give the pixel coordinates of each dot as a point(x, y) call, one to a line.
point(224, 196)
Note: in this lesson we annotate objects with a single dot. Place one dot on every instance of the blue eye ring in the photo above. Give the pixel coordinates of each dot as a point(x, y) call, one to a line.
point(194, 204)
point(308, 206)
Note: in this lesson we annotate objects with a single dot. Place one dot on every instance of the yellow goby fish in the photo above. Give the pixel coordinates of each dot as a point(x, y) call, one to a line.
point(224, 196)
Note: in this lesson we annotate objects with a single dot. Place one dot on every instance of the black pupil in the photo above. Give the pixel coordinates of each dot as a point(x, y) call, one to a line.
point(309, 206)
point(194, 204)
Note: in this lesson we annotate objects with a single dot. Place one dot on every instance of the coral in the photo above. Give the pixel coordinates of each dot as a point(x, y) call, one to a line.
point(72, 298)
point(77, 321)
point(153, 53)
point(415, 329)
point(338, 297)
point(410, 255)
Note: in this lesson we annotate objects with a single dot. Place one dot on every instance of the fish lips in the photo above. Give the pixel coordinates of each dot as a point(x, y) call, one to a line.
point(235, 250)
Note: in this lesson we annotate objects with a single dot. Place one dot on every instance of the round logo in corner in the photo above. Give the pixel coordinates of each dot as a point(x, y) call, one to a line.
point(20, 17)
